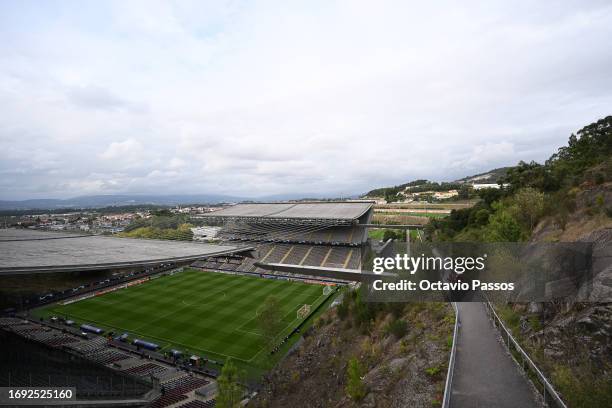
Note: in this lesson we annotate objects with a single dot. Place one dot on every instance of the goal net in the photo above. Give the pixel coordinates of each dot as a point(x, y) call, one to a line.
point(303, 312)
point(327, 289)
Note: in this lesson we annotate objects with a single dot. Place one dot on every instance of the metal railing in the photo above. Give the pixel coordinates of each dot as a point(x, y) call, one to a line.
point(548, 392)
point(451, 361)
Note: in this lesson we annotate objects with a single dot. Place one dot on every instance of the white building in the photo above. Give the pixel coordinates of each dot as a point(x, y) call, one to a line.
point(487, 185)
point(205, 233)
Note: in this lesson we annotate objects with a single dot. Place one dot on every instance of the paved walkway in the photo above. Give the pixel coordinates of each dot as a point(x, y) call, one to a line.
point(485, 375)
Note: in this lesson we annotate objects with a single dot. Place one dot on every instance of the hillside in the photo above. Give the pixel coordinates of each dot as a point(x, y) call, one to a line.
point(366, 355)
point(566, 199)
point(415, 186)
point(489, 177)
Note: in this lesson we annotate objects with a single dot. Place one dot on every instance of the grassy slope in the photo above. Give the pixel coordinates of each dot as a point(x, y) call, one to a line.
point(200, 312)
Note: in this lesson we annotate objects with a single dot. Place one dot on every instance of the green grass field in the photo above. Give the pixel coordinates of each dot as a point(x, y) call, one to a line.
point(378, 233)
point(416, 214)
point(211, 314)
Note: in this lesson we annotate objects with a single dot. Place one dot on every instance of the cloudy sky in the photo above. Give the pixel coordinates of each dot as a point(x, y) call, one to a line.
point(256, 98)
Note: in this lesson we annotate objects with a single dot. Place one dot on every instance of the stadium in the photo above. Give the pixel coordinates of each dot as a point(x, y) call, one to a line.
point(151, 323)
point(319, 234)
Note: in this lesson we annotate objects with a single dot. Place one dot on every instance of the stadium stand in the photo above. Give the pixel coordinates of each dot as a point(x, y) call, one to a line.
point(353, 236)
point(184, 384)
point(168, 399)
point(199, 404)
point(101, 372)
point(174, 391)
point(42, 360)
point(146, 370)
point(323, 234)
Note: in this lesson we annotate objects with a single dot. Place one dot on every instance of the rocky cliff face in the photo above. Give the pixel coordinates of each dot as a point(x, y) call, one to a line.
point(398, 372)
point(572, 341)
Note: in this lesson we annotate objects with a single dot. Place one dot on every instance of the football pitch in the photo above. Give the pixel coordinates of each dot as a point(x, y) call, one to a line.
point(211, 314)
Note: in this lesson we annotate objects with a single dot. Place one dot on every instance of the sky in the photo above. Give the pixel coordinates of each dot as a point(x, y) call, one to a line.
point(254, 98)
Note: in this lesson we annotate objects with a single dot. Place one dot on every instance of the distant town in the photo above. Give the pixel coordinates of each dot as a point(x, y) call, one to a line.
point(96, 221)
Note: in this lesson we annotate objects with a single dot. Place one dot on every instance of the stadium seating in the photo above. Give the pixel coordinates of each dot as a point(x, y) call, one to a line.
point(146, 370)
point(168, 399)
point(199, 404)
point(337, 257)
point(338, 235)
point(43, 363)
point(184, 384)
point(297, 254)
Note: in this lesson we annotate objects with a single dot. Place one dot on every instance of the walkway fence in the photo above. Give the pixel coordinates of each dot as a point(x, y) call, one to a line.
point(451, 361)
point(549, 394)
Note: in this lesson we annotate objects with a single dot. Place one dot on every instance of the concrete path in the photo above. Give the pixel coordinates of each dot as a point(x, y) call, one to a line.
point(485, 374)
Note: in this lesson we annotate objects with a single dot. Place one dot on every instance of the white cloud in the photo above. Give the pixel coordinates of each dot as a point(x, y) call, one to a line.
point(125, 150)
point(486, 155)
point(255, 98)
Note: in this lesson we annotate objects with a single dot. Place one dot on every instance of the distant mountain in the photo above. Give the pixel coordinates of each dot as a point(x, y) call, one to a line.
point(99, 201)
point(491, 176)
point(118, 200)
point(304, 196)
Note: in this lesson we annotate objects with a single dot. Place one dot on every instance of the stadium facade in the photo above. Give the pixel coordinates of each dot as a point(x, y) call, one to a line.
point(312, 234)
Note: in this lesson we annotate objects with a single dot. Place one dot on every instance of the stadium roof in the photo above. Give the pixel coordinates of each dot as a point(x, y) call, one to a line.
point(26, 251)
point(324, 210)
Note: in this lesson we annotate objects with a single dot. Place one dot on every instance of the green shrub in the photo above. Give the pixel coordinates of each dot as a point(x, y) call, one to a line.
point(344, 307)
point(600, 200)
point(581, 390)
point(510, 318)
point(398, 328)
point(355, 388)
point(433, 371)
point(534, 322)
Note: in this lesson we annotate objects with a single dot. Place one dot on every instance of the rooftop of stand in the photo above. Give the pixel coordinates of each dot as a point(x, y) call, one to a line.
point(324, 210)
point(23, 251)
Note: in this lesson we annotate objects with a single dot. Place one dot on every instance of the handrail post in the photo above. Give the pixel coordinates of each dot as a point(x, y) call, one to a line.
point(451, 361)
point(548, 390)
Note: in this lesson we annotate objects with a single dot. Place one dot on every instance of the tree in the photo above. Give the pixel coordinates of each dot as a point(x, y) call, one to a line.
point(528, 206)
point(490, 195)
point(230, 391)
point(464, 192)
point(269, 319)
point(503, 227)
point(392, 234)
point(355, 388)
point(479, 217)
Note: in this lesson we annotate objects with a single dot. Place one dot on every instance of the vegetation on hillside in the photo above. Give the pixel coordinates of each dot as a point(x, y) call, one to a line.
point(489, 177)
point(569, 189)
point(534, 190)
point(391, 194)
point(230, 391)
point(363, 354)
point(161, 225)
